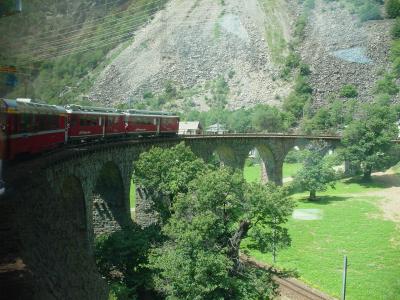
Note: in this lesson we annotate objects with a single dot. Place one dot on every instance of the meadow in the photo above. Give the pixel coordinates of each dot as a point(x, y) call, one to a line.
point(349, 221)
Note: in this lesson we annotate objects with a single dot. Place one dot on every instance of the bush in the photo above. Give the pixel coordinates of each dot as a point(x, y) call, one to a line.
point(305, 70)
point(386, 86)
point(292, 60)
point(393, 8)
point(294, 104)
point(300, 26)
point(395, 50)
point(370, 11)
point(396, 67)
point(295, 156)
point(302, 86)
point(348, 91)
point(396, 29)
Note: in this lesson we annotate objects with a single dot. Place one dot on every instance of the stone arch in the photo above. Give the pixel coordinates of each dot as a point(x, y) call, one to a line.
point(75, 212)
point(268, 164)
point(110, 206)
point(233, 156)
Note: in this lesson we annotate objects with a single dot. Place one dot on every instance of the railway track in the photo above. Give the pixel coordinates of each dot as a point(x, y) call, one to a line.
point(290, 288)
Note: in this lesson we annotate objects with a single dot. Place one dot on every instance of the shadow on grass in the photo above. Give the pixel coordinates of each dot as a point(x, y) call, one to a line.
point(324, 200)
point(377, 181)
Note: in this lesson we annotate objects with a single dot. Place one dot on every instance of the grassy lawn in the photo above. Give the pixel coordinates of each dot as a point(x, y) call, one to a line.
point(290, 170)
point(352, 225)
point(253, 173)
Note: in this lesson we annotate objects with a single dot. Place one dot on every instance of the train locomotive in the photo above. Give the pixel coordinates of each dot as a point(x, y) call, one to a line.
point(28, 128)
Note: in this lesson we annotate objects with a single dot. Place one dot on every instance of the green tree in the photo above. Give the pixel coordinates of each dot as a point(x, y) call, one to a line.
point(317, 174)
point(267, 118)
point(200, 260)
point(392, 8)
point(395, 31)
point(368, 139)
point(240, 121)
point(164, 173)
point(121, 258)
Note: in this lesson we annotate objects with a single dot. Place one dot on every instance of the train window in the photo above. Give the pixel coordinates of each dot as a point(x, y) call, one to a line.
point(168, 121)
point(88, 121)
point(53, 122)
point(42, 120)
point(24, 123)
point(74, 120)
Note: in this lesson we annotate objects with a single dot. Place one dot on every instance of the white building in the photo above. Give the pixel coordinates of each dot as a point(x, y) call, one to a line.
point(190, 128)
point(217, 128)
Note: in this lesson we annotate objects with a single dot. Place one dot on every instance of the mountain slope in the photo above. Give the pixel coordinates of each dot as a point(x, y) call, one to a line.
point(342, 50)
point(194, 44)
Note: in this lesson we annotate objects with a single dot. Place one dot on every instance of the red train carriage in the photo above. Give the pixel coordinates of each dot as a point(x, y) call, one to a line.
point(141, 122)
point(94, 123)
point(29, 128)
point(169, 125)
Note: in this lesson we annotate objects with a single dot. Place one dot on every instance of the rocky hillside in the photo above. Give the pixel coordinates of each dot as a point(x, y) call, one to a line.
point(193, 45)
point(197, 54)
point(342, 50)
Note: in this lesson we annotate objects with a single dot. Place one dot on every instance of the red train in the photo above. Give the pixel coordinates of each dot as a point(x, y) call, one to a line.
point(28, 128)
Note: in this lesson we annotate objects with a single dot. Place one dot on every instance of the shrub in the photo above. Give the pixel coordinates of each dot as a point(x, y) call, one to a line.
point(302, 86)
point(300, 26)
point(348, 91)
point(294, 104)
point(395, 50)
point(309, 4)
point(370, 11)
point(292, 60)
point(396, 67)
point(396, 29)
point(295, 156)
point(305, 70)
point(386, 86)
point(393, 8)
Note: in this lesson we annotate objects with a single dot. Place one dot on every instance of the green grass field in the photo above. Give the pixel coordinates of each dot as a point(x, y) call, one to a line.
point(352, 224)
point(253, 173)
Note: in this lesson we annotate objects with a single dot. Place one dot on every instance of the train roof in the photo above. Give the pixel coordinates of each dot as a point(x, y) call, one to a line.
point(147, 112)
point(20, 106)
point(92, 109)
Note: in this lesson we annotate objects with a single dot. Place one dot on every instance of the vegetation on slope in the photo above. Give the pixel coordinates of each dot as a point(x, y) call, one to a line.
point(58, 46)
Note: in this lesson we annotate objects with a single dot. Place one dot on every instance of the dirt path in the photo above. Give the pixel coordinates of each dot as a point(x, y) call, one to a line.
point(391, 205)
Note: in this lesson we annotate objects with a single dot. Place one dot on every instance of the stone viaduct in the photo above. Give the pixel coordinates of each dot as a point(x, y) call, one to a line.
point(56, 204)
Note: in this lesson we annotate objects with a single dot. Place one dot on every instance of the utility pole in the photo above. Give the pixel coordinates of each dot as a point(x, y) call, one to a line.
point(344, 278)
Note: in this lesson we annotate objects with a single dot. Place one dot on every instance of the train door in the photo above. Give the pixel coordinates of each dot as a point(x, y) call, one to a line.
point(3, 131)
point(157, 121)
point(102, 123)
point(66, 128)
point(3, 143)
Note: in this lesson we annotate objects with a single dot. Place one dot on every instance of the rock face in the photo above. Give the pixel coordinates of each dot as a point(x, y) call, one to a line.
point(193, 42)
point(340, 50)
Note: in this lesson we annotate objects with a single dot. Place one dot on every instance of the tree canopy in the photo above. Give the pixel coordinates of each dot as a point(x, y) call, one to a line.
point(317, 173)
point(200, 260)
point(368, 139)
point(196, 251)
